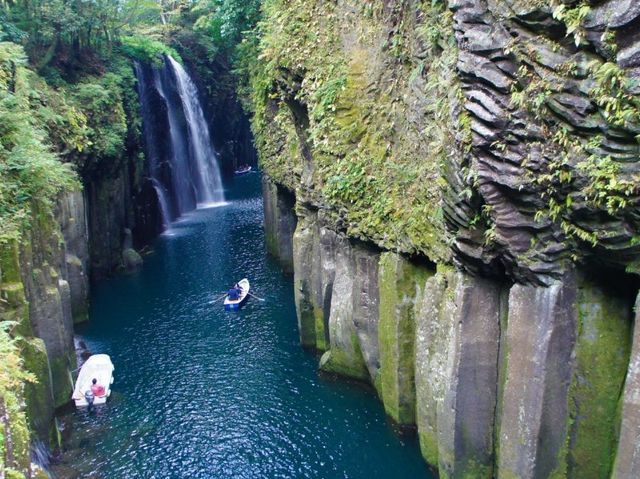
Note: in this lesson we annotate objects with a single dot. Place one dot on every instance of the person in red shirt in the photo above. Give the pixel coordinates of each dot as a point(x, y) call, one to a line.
point(97, 389)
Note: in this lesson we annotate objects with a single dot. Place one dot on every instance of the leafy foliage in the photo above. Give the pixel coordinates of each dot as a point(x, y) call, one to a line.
point(147, 49)
point(377, 170)
point(13, 424)
point(28, 167)
point(225, 22)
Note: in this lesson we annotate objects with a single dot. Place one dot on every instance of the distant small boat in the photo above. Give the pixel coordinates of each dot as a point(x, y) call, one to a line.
point(235, 299)
point(242, 170)
point(100, 368)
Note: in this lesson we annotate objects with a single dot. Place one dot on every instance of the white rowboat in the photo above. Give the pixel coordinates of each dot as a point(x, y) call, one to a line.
point(230, 304)
point(99, 367)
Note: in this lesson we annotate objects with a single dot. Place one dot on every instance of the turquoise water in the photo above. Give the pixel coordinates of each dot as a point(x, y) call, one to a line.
point(204, 393)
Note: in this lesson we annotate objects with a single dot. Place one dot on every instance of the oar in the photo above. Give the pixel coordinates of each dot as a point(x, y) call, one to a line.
point(217, 299)
point(254, 296)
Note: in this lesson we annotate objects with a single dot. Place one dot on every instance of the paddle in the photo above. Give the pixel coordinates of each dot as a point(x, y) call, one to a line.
point(254, 296)
point(217, 299)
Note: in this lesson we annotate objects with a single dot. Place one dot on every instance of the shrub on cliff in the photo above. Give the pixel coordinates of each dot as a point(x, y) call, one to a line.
point(146, 49)
point(28, 167)
point(14, 434)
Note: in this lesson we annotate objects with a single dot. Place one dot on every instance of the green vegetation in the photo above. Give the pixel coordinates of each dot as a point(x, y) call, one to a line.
point(349, 114)
point(14, 434)
point(580, 172)
point(146, 49)
point(28, 167)
point(602, 355)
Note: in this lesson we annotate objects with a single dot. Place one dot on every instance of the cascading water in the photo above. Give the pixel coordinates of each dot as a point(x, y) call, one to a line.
point(151, 145)
point(183, 164)
point(209, 186)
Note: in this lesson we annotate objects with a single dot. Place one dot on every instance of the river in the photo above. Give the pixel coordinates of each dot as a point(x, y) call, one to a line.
point(204, 393)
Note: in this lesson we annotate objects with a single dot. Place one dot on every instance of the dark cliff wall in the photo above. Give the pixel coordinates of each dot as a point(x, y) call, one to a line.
point(121, 200)
point(465, 181)
point(44, 288)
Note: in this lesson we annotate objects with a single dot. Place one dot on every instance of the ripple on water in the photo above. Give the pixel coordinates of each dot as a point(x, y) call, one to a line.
point(203, 393)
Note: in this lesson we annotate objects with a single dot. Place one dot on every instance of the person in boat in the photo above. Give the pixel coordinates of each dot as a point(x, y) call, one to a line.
point(234, 293)
point(97, 389)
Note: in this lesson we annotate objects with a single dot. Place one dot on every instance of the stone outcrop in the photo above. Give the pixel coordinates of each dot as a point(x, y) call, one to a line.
point(43, 286)
point(280, 222)
point(313, 282)
point(72, 217)
point(401, 285)
point(511, 50)
point(486, 154)
point(345, 351)
point(500, 379)
point(627, 463)
point(541, 331)
point(466, 416)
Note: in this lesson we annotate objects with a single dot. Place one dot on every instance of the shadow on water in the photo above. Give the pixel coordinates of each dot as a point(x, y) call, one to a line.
point(204, 393)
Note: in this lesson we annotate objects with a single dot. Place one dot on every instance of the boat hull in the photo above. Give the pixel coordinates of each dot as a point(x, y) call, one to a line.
point(231, 305)
point(100, 367)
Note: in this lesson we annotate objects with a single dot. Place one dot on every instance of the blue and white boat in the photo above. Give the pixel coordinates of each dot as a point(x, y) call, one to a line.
point(237, 296)
point(243, 170)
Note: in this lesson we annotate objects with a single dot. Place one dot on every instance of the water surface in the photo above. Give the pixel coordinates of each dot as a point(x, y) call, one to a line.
point(204, 393)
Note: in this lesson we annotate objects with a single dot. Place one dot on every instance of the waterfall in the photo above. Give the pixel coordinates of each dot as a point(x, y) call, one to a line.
point(182, 163)
point(209, 186)
point(163, 203)
point(151, 145)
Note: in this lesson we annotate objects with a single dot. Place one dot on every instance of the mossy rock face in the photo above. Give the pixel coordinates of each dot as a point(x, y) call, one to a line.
point(400, 283)
point(345, 353)
point(535, 415)
point(39, 401)
point(602, 354)
point(627, 461)
point(337, 362)
point(15, 437)
point(61, 378)
point(434, 330)
point(10, 263)
point(336, 124)
point(131, 260)
point(306, 279)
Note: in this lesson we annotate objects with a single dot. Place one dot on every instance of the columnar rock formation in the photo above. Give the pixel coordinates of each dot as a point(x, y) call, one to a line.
point(44, 288)
point(465, 180)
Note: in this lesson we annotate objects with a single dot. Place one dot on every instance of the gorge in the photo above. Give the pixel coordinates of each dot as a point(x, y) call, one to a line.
point(452, 184)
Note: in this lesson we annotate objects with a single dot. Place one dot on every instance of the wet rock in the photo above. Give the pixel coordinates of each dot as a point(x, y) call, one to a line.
point(279, 222)
point(467, 410)
point(131, 260)
point(601, 357)
point(38, 395)
point(313, 280)
point(435, 322)
point(72, 218)
point(345, 354)
point(366, 306)
point(627, 461)
point(534, 419)
point(401, 285)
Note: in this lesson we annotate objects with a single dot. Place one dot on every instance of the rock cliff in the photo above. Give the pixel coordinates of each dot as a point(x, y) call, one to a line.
point(462, 177)
point(44, 288)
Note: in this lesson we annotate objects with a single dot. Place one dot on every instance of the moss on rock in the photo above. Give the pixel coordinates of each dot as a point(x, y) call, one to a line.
point(400, 283)
point(602, 354)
